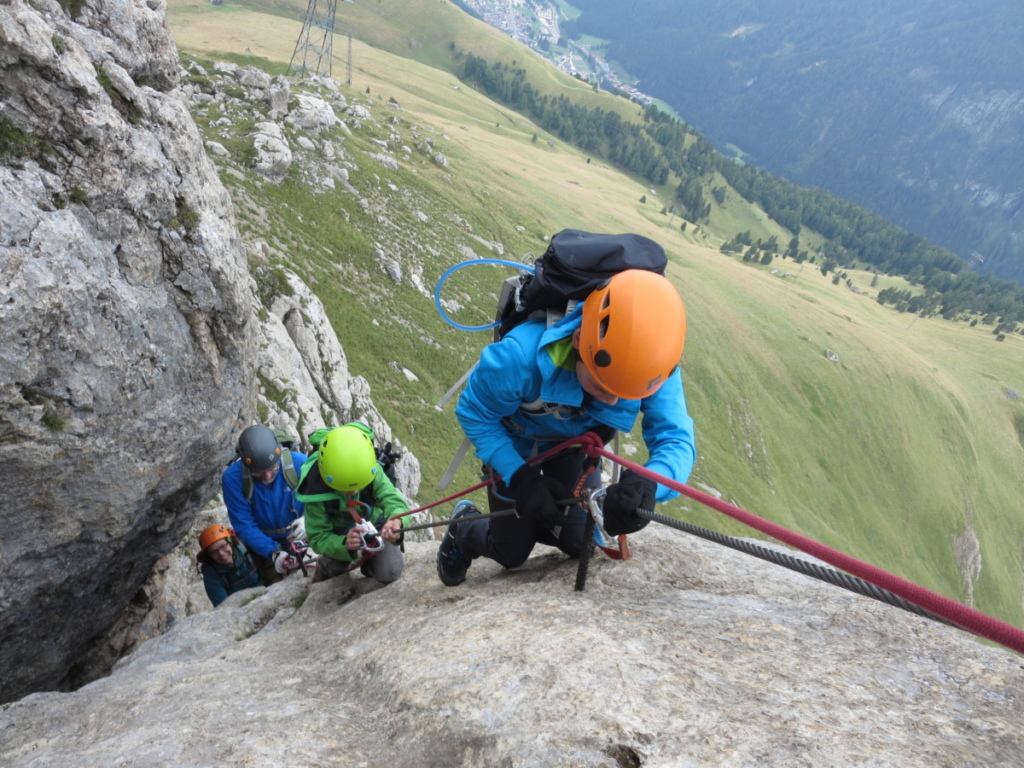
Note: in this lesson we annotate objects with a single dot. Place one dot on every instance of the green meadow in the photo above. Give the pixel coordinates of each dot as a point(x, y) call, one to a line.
point(893, 438)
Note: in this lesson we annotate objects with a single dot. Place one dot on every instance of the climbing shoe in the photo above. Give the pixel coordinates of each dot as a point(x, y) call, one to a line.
point(452, 563)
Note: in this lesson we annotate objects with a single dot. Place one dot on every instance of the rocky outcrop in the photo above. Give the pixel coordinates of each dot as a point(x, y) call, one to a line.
point(687, 654)
point(128, 346)
point(302, 382)
point(136, 344)
point(303, 365)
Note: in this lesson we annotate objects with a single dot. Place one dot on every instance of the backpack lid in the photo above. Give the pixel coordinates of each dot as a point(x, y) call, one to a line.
point(574, 265)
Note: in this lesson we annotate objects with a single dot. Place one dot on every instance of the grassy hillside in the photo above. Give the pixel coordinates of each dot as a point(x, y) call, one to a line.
point(894, 452)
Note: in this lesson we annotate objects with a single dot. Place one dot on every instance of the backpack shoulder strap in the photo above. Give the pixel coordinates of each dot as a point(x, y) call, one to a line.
point(288, 465)
point(246, 485)
point(290, 475)
point(368, 497)
point(246, 555)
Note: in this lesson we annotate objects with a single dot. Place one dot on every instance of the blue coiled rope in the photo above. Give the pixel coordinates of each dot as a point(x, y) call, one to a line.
point(450, 270)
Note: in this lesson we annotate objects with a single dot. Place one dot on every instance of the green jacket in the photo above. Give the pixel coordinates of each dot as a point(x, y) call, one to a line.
point(327, 517)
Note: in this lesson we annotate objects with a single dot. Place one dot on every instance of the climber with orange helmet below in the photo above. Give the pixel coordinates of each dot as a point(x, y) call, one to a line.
point(613, 358)
point(226, 566)
point(350, 506)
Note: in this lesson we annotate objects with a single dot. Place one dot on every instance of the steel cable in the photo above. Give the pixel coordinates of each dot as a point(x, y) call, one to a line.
point(836, 578)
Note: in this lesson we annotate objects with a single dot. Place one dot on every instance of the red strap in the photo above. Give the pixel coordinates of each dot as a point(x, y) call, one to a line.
point(622, 553)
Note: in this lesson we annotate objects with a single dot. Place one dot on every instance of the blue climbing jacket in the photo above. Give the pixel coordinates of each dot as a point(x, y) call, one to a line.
point(264, 522)
point(523, 398)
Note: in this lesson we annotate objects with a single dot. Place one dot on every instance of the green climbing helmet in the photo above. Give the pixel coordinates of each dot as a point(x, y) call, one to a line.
point(347, 460)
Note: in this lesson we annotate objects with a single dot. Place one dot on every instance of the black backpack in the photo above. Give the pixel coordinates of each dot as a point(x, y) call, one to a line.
point(574, 264)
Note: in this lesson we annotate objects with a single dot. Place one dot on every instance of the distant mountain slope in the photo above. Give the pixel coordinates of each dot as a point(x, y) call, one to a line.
point(914, 110)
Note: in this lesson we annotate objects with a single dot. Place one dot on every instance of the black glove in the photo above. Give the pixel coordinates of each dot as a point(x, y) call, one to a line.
point(536, 494)
point(631, 493)
point(387, 458)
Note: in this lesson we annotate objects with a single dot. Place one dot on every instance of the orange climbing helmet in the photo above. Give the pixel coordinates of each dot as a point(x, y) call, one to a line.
point(212, 534)
point(632, 333)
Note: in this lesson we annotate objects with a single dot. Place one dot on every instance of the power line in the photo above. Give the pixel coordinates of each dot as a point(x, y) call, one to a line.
point(313, 49)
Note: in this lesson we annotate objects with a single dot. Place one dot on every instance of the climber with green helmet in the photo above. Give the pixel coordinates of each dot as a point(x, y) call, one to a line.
point(349, 506)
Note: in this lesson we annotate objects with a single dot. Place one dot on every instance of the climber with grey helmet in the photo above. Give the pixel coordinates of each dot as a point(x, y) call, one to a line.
point(351, 506)
point(259, 493)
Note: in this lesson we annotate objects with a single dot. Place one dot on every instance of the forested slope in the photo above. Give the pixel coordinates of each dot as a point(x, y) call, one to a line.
point(913, 110)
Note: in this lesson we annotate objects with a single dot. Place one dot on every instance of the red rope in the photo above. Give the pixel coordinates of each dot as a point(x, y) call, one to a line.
point(967, 618)
point(535, 460)
point(446, 498)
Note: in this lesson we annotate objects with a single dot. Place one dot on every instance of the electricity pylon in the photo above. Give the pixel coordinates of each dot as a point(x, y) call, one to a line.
point(313, 50)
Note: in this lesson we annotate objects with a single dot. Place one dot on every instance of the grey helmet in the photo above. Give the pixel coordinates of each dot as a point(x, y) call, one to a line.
point(258, 448)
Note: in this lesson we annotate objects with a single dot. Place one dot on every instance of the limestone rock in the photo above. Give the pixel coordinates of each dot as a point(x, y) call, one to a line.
point(280, 89)
point(312, 114)
point(273, 155)
point(303, 359)
point(127, 332)
point(256, 79)
point(688, 654)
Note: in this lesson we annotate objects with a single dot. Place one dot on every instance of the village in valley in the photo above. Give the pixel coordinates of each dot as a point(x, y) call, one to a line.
point(535, 23)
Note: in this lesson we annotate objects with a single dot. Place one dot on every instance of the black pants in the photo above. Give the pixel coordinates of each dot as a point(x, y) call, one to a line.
point(266, 569)
point(509, 540)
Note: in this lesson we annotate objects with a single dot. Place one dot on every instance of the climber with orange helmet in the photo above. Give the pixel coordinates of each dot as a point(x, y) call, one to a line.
point(613, 358)
point(350, 506)
point(226, 566)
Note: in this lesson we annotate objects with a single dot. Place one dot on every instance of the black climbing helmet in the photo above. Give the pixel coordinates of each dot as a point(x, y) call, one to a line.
point(258, 448)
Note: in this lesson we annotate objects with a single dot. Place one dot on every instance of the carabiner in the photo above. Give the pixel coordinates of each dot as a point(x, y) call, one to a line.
point(369, 539)
point(602, 538)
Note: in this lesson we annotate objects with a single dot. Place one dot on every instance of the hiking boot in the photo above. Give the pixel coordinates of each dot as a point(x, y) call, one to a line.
point(452, 563)
point(321, 572)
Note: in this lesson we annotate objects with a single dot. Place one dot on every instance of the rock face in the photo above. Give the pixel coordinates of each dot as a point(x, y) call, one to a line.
point(128, 350)
point(301, 361)
point(688, 654)
point(136, 346)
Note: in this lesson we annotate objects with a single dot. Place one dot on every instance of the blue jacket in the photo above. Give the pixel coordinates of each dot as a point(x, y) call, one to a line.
point(223, 580)
point(264, 522)
point(521, 370)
